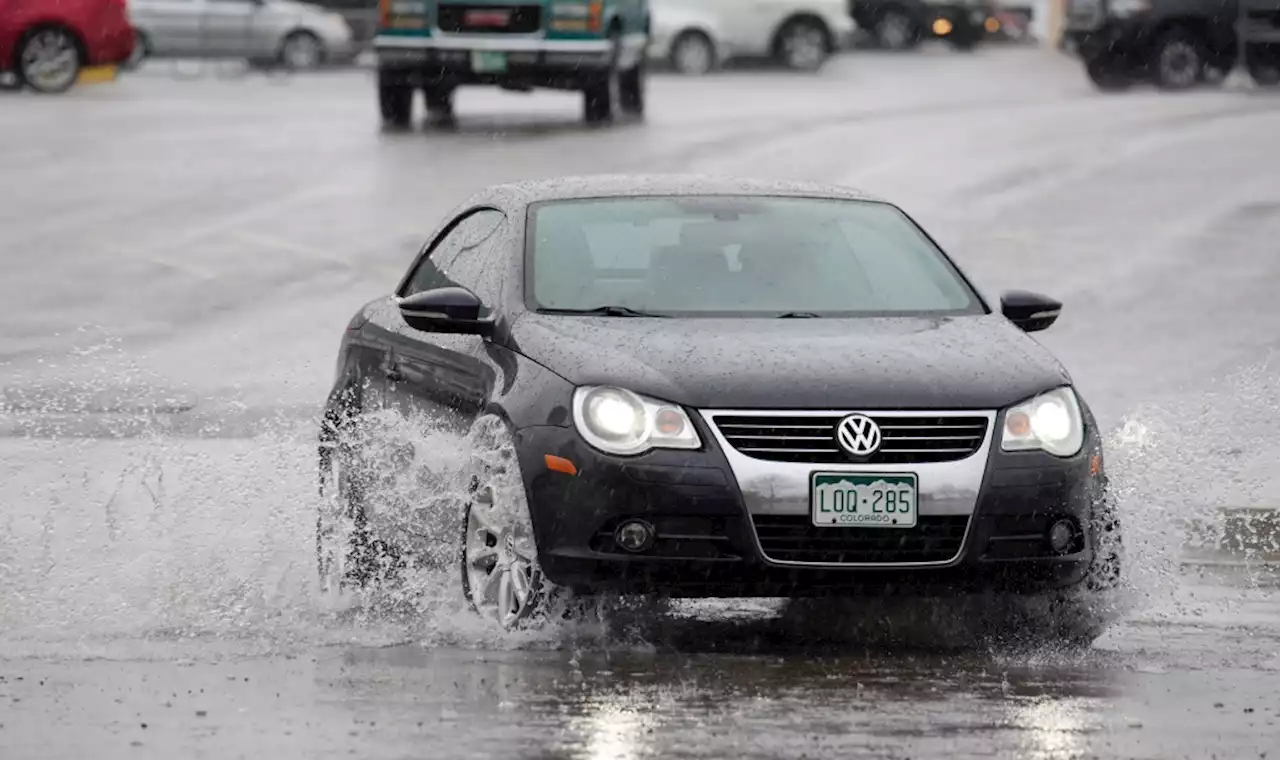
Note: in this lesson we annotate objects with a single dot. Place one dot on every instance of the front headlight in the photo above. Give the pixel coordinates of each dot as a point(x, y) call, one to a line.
point(620, 422)
point(1050, 421)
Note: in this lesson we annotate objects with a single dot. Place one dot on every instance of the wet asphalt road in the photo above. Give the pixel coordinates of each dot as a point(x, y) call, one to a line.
point(181, 250)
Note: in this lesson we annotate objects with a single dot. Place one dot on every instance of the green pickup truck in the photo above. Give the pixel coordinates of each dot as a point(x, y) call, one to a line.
point(594, 46)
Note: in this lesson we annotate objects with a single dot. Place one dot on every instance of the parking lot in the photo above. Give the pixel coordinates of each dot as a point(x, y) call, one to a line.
point(183, 246)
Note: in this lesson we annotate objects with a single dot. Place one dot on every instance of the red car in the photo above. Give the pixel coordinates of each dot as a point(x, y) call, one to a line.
point(47, 42)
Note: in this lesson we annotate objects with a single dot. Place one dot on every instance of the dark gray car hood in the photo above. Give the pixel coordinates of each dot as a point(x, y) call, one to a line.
point(968, 362)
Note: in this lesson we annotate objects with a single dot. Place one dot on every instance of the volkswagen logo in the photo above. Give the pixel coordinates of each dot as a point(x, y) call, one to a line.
point(859, 435)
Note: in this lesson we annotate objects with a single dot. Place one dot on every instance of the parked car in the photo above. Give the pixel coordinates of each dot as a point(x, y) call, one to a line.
point(361, 15)
point(903, 24)
point(46, 45)
point(709, 387)
point(1173, 43)
point(695, 36)
point(293, 34)
point(595, 47)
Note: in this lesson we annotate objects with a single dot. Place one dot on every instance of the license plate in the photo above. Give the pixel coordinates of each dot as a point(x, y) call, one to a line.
point(488, 62)
point(863, 500)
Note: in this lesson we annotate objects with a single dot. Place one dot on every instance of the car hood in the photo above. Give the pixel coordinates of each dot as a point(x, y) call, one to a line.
point(970, 362)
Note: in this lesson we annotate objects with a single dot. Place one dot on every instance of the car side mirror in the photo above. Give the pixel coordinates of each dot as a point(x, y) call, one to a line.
point(446, 310)
point(1030, 311)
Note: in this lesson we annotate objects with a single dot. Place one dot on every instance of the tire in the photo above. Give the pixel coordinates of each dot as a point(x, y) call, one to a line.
point(301, 51)
point(1265, 74)
point(1178, 61)
point(501, 577)
point(49, 60)
point(895, 30)
point(803, 44)
point(439, 102)
point(1107, 75)
point(631, 90)
point(600, 99)
point(693, 53)
point(395, 99)
point(141, 51)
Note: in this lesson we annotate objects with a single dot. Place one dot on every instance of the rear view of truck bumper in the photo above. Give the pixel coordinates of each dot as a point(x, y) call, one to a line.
point(559, 64)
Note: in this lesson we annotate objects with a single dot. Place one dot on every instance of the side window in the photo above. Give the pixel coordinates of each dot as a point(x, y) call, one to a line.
point(437, 269)
point(476, 266)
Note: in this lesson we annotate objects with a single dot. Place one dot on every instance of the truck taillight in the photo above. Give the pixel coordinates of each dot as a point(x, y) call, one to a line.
point(595, 15)
point(384, 13)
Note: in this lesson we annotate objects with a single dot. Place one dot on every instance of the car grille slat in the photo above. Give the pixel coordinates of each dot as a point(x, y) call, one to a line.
point(793, 538)
point(906, 439)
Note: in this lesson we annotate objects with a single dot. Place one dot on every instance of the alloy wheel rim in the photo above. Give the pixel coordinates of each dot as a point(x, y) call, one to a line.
point(1180, 63)
point(693, 56)
point(500, 562)
point(50, 60)
point(805, 47)
point(302, 53)
point(894, 30)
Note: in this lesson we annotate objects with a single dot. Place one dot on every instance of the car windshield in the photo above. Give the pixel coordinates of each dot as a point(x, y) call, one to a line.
point(736, 256)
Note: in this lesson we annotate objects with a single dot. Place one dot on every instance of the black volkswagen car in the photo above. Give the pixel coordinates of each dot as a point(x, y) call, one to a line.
point(716, 387)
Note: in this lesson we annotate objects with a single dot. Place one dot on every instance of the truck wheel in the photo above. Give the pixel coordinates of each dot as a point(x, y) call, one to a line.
point(1107, 75)
point(693, 54)
point(439, 104)
point(395, 99)
point(1178, 61)
point(1265, 74)
point(895, 30)
point(631, 87)
point(600, 98)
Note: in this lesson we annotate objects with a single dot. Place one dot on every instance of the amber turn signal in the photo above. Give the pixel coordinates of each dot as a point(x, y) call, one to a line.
point(560, 464)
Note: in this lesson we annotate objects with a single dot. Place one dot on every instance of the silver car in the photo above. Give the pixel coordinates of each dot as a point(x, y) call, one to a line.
point(296, 35)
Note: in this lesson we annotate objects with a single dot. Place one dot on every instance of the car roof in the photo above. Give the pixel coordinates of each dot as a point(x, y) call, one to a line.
point(633, 185)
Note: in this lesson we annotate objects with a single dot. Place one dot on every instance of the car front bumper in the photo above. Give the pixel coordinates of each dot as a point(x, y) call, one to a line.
point(720, 518)
point(501, 59)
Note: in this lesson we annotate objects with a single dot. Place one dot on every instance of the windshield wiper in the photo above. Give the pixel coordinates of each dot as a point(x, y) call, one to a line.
point(604, 311)
point(798, 315)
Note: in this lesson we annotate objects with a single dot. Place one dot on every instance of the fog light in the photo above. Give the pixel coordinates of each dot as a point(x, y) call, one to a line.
point(1060, 535)
point(634, 535)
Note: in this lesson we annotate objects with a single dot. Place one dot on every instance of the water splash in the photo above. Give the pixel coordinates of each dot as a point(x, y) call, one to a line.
point(121, 525)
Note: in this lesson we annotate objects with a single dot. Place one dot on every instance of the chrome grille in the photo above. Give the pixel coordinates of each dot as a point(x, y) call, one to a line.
point(906, 439)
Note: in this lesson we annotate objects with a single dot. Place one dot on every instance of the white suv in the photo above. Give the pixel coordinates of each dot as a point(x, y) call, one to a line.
point(695, 36)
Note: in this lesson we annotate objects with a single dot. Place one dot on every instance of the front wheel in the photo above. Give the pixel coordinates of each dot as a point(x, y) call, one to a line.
point(693, 54)
point(1179, 61)
point(302, 51)
point(803, 45)
point(1107, 75)
point(395, 100)
point(1265, 74)
point(141, 49)
point(631, 90)
point(895, 30)
point(501, 578)
point(49, 60)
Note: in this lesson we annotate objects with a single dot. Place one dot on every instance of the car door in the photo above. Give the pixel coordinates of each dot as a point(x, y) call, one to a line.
point(441, 378)
point(173, 27)
point(229, 27)
point(748, 25)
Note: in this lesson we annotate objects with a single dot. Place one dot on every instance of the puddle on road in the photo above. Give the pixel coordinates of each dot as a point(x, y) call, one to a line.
point(151, 545)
